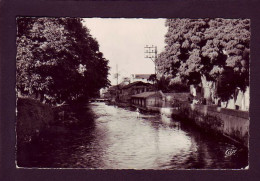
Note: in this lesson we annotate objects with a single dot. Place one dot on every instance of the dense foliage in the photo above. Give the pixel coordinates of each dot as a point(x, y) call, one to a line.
point(58, 60)
point(213, 48)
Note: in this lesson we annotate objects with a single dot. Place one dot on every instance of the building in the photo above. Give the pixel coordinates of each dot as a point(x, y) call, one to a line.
point(148, 99)
point(207, 91)
point(111, 93)
point(103, 92)
point(125, 92)
point(125, 81)
point(159, 99)
point(140, 77)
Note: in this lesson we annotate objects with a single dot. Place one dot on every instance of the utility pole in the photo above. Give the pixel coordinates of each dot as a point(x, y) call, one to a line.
point(151, 52)
point(116, 76)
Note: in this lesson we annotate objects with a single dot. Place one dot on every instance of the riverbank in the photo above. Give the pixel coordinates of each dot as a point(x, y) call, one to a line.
point(232, 124)
point(32, 118)
point(37, 123)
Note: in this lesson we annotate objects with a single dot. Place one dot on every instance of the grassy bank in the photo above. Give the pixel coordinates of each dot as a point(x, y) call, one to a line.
point(37, 124)
point(35, 119)
point(32, 118)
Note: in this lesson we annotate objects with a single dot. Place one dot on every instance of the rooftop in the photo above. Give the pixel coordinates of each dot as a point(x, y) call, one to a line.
point(136, 83)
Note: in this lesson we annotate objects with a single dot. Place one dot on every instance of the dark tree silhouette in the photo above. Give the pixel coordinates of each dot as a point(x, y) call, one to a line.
point(206, 48)
point(152, 78)
point(58, 60)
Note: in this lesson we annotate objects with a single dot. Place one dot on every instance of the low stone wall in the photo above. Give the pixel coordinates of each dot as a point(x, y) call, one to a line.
point(233, 124)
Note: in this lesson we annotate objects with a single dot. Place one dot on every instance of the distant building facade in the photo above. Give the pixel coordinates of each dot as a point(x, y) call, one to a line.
point(111, 93)
point(140, 77)
point(145, 99)
point(138, 87)
point(207, 90)
point(158, 99)
point(103, 92)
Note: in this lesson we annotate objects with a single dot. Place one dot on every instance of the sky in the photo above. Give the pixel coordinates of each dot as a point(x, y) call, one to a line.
point(122, 42)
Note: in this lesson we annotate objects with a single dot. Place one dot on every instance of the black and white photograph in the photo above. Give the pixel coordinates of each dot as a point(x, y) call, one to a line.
point(132, 93)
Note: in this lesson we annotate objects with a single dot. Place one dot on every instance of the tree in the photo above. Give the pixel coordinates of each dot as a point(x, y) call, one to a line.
point(163, 84)
point(205, 48)
point(58, 59)
point(152, 78)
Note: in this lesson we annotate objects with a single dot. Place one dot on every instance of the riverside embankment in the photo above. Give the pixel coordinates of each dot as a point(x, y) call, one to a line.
point(233, 124)
point(32, 118)
point(37, 123)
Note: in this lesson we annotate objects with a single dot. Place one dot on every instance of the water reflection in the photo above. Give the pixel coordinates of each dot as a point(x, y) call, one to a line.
point(128, 142)
point(117, 139)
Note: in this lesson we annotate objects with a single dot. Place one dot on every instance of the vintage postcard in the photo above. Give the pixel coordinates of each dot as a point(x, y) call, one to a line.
point(132, 93)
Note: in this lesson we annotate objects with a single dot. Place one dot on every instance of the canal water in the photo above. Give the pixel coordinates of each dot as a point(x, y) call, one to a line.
point(117, 139)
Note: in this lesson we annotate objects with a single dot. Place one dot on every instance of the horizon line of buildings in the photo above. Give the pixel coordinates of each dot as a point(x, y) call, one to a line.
point(139, 88)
